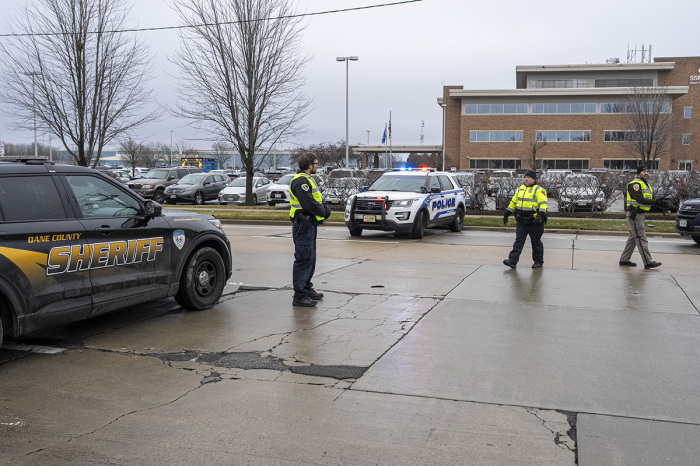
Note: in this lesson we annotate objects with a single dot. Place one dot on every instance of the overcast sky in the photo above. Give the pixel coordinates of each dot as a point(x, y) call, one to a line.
point(408, 52)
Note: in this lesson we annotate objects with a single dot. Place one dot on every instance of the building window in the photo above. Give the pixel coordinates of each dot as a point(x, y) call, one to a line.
point(685, 165)
point(564, 108)
point(629, 107)
point(488, 109)
point(564, 136)
point(623, 136)
point(559, 83)
point(564, 164)
point(625, 82)
point(494, 164)
point(686, 139)
point(496, 136)
point(622, 164)
point(687, 112)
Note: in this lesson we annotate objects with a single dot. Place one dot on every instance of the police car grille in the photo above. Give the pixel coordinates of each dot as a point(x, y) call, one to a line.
point(372, 205)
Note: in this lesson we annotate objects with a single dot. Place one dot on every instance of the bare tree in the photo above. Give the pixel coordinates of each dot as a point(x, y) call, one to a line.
point(534, 146)
point(242, 73)
point(328, 153)
point(648, 116)
point(222, 152)
point(132, 152)
point(83, 77)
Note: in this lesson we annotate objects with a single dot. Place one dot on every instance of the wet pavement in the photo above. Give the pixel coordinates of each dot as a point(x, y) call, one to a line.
point(422, 352)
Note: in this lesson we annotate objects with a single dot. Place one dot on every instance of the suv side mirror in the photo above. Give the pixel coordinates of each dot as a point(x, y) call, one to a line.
point(153, 209)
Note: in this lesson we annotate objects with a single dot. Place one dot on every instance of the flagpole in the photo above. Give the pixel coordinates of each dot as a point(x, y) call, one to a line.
point(391, 145)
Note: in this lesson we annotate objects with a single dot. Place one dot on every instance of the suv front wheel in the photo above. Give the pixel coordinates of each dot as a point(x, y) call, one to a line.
point(159, 196)
point(202, 281)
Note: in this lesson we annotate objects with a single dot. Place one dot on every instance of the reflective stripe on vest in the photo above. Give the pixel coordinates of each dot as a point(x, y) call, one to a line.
point(529, 204)
point(294, 202)
point(647, 192)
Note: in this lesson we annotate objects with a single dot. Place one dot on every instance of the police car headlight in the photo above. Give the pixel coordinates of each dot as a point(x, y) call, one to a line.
point(216, 223)
point(406, 203)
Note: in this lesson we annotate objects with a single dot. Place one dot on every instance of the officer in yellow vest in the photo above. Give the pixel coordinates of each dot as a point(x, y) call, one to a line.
point(530, 207)
point(306, 213)
point(640, 198)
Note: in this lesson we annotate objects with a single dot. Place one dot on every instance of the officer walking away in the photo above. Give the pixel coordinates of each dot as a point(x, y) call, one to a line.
point(639, 200)
point(530, 207)
point(306, 213)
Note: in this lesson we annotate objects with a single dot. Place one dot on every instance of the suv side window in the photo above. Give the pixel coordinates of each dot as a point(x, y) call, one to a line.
point(98, 198)
point(434, 183)
point(445, 183)
point(25, 198)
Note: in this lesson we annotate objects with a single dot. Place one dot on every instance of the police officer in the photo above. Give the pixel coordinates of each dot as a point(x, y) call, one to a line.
point(530, 207)
point(306, 213)
point(640, 198)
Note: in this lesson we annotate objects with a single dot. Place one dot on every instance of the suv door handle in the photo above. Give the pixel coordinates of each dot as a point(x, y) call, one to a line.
point(106, 230)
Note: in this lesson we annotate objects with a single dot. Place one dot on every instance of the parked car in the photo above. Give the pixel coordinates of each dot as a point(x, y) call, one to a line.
point(475, 184)
point(235, 191)
point(551, 180)
point(153, 183)
point(338, 190)
point(581, 192)
point(196, 188)
point(495, 180)
point(688, 219)
point(278, 192)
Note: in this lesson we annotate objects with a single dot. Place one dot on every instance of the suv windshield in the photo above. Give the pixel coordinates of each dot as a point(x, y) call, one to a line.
point(581, 182)
point(192, 178)
point(412, 183)
point(157, 175)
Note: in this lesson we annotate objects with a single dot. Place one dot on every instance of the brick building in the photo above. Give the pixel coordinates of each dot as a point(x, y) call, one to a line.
point(578, 109)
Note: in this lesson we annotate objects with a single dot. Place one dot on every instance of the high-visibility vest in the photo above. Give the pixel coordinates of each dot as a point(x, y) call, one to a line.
point(647, 192)
point(294, 202)
point(529, 199)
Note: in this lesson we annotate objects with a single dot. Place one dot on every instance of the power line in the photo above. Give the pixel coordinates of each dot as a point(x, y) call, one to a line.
point(165, 28)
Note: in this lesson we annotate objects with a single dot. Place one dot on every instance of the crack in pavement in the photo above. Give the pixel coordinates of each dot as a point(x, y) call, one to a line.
point(686, 294)
point(565, 439)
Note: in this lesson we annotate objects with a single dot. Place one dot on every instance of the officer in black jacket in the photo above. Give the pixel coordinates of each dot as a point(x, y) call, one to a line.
point(306, 213)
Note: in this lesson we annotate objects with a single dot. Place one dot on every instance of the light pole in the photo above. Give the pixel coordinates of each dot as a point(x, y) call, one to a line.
point(33, 74)
point(443, 135)
point(347, 61)
point(171, 147)
point(367, 136)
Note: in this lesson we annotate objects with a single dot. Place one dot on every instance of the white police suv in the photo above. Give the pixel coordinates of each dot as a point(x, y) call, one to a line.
point(408, 201)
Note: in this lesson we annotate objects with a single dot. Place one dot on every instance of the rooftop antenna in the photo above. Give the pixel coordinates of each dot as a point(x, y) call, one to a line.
point(422, 125)
point(644, 54)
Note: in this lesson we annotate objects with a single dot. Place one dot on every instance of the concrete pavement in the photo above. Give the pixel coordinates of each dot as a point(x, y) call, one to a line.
point(422, 352)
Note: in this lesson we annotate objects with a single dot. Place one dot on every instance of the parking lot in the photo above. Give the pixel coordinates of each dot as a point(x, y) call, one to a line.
point(423, 352)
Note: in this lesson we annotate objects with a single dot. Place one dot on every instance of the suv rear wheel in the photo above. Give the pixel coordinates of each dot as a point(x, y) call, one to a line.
point(458, 221)
point(202, 281)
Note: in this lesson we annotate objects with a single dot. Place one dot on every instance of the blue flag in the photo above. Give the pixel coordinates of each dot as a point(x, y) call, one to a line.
point(384, 137)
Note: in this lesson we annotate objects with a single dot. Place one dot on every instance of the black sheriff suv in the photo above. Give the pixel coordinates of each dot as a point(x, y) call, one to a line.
point(74, 243)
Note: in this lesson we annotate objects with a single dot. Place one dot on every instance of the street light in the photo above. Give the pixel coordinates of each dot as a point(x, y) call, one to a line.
point(171, 147)
point(347, 61)
point(33, 74)
point(443, 135)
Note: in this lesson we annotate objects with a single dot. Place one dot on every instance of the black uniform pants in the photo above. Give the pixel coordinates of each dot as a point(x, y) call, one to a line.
point(535, 230)
point(304, 259)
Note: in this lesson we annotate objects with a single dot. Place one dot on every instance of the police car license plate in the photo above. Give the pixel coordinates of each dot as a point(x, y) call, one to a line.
point(369, 218)
point(682, 223)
